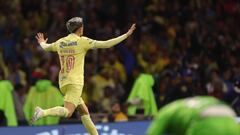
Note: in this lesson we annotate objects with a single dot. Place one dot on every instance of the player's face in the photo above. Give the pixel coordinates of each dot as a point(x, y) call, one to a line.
point(116, 108)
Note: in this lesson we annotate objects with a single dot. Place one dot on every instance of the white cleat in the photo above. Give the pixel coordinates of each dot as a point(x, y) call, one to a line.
point(37, 114)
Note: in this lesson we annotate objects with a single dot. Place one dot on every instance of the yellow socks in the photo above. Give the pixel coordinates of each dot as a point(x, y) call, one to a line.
point(56, 111)
point(63, 112)
point(88, 124)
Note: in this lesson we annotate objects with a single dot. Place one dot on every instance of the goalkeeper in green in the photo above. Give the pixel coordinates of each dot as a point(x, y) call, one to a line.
point(195, 116)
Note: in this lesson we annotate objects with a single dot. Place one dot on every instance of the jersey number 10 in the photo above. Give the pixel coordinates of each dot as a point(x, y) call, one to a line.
point(70, 60)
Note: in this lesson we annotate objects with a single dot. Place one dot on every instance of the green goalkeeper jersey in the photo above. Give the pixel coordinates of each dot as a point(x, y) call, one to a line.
point(177, 117)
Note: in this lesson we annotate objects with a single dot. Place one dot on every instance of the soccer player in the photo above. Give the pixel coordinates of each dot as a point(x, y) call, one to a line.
point(72, 50)
point(195, 116)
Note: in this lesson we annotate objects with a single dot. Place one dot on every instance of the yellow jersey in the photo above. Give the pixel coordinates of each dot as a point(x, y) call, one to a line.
point(72, 50)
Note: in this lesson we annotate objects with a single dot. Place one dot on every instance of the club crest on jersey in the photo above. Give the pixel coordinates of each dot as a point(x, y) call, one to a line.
point(62, 44)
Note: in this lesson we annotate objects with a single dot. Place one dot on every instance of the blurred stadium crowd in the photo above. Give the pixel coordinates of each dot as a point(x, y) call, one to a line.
point(190, 47)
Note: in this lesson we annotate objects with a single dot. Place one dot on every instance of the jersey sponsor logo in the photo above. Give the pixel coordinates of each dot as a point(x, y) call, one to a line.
point(74, 43)
point(64, 44)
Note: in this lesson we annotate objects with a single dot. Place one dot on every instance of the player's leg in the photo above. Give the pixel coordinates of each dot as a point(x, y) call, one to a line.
point(60, 111)
point(66, 111)
point(70, 107)
point(86, 119)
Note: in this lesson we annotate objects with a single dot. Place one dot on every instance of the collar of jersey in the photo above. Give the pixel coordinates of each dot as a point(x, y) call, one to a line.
point(75, 35)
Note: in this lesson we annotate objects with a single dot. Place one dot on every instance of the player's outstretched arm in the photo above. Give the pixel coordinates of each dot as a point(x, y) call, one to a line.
point(114, 41)
point(43, 42)
point(131, 30)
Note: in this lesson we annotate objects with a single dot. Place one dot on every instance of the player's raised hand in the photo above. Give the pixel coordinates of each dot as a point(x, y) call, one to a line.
point(40, 38)
point(131, 30)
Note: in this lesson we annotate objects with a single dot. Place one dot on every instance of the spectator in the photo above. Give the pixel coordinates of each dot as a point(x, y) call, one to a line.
point(8, 43)
point(216, 86)
point(16, 75)
point(6, 104)
point(100, 81)
point(236, 100)
point(107, 98)
point(3, 66)
point(115, 64)
point(162, 90)
point(19, 95)
point(117, 114)
point(43, 90)
point(141, 96)
point(2, 119)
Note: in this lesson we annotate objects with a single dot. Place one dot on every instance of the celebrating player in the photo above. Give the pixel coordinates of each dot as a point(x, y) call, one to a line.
point(195, 116)
point(72, 50)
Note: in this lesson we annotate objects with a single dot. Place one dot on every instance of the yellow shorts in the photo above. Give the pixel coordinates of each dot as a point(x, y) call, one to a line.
point(73, 94)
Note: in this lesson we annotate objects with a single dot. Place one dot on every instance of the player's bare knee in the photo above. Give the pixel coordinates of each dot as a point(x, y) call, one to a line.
point(70, 107)
point(69, 112)
point(84, 113)
point(82, 110)
point(69, 115)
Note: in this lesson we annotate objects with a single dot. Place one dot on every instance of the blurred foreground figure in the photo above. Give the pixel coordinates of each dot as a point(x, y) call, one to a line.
point(195, 116)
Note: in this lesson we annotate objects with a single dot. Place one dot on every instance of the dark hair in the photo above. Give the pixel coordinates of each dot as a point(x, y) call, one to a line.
point(74, 23)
